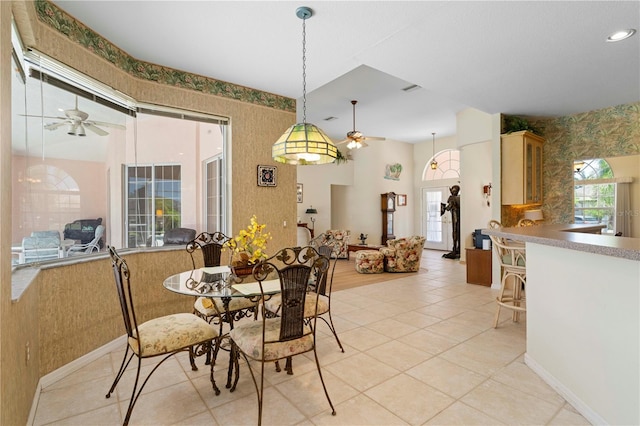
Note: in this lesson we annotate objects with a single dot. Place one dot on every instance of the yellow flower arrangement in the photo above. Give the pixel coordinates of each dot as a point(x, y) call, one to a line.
point(250, 244)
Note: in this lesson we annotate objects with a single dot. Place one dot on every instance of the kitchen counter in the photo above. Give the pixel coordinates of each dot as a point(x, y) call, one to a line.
point(583, 317)
point(578, 237)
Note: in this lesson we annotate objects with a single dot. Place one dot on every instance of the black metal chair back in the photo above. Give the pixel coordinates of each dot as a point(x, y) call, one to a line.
point(123, 285)
point(321, 286)
point(211, 245)
point(294, 266)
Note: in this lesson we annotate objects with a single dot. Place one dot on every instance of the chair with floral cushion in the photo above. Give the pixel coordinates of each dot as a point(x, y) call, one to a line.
point(289, 334)
point(403, 254)
point(339, 238)
point(319, 288)
point(160, 337)
point(211, 245)
point(369, 262)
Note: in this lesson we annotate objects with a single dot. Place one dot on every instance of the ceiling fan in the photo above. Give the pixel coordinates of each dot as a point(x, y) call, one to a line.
point(78, 122)
point(356, 139)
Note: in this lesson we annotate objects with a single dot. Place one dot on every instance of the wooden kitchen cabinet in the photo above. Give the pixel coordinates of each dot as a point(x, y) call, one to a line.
point(478, 266)
point(522, 163)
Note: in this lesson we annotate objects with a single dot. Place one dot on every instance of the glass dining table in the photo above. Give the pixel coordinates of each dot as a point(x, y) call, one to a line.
point(218, 282)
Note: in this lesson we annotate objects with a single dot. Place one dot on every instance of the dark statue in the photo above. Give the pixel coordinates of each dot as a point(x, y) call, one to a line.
point(453, 205)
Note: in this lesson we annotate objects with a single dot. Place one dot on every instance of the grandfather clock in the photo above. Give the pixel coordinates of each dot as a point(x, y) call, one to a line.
point(388, 206)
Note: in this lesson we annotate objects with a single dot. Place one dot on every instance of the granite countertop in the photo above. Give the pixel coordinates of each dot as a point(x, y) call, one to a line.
point(573, 237)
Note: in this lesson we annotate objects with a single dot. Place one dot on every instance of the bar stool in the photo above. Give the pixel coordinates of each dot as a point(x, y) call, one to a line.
point(512, 257)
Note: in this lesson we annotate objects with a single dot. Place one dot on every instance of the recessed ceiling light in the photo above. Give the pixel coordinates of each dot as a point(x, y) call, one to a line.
point(621, 35)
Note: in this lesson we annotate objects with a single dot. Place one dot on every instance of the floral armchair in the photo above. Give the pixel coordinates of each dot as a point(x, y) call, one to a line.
point(338, 239)
point(403, 254)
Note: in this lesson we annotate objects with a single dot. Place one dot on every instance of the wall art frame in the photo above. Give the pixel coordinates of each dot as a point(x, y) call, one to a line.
point(267, 176)
point(299, 192)
point(402, 200)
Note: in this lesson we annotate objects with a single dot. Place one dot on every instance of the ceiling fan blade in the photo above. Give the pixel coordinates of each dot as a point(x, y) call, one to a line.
point(373, 138)
point(50, 117)
point(95, 129)
point(54, 126)
point(105, 124)
point(342, 142)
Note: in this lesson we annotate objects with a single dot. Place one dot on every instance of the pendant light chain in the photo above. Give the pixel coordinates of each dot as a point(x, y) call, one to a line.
point(304, 70)
point(304, 143)
point(434, 163)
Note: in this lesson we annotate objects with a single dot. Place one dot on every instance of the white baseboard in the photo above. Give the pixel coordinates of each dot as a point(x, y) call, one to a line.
point(72, 367)
point(562, 390)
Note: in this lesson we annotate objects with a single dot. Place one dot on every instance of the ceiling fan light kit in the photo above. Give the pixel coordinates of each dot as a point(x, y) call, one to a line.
point(304, 143)
point(79, 122)
point(355, 139)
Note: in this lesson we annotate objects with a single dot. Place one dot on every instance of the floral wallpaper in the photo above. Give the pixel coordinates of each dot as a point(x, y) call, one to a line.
point(77, 32)
point(608, 132)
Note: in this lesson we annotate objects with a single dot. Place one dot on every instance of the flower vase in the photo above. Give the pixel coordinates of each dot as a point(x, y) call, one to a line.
point(244, 270)
point(241, 264)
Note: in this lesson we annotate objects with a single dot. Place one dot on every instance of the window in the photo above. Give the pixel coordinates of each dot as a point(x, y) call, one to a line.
point(83, 151)
point(448, 166)
point(215, 195)
point(153, 203)
point(594, 194)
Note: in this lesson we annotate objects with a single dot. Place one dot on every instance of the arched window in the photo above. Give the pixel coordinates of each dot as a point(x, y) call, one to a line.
point(51, 198)
point(448, 166)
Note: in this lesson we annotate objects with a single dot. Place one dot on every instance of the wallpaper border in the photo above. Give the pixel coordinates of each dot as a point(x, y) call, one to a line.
point(79, 33)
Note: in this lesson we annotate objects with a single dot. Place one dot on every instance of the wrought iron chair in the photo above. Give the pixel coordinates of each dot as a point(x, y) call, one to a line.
point(211, 245)
point(289, 334)
point(159, 337)
point(319, 294)
point(512, 257)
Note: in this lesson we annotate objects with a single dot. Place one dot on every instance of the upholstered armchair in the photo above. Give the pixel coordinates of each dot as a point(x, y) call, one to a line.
point(403, 254)
point(339, 239)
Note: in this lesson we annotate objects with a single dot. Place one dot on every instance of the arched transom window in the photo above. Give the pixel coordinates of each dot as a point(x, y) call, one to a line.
point(448, 166)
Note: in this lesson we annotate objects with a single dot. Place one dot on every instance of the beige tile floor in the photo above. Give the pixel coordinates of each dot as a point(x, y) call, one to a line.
point(419, 350)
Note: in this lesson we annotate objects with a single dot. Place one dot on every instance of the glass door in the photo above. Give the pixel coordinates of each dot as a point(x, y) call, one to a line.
point(436, 228)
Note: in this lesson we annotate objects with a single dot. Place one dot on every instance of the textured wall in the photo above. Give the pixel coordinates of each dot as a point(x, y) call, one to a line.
point(69, 311)
point(608, 132)
point(79, 310)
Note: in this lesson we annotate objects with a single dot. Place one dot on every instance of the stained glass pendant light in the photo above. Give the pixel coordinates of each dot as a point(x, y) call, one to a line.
point(304, 143)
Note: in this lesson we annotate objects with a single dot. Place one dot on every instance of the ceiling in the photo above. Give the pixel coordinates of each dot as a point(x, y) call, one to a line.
point(537, 58)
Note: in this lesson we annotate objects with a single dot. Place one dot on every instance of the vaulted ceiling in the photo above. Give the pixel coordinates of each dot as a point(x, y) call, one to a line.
point(542, 58)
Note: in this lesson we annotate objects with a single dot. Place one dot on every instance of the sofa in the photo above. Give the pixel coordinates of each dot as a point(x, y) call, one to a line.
point(41, 245)
point(178, 236)
point(403, 254)
point(82, 230)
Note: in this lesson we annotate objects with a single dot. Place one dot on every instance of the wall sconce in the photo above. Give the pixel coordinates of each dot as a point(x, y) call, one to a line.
point(577, 166)
point(311, 211)
point(486, 191)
